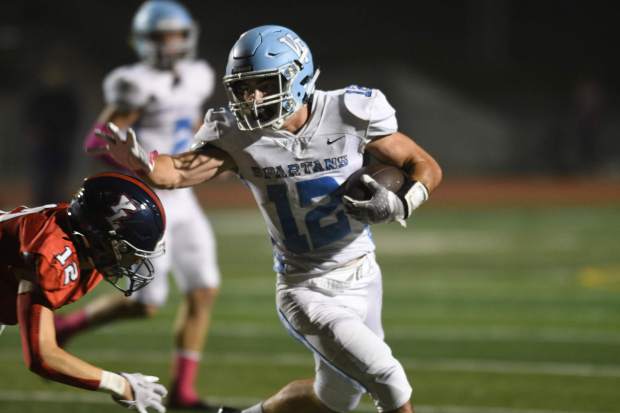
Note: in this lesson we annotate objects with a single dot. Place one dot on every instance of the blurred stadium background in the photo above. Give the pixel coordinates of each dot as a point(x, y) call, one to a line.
point(504, 293)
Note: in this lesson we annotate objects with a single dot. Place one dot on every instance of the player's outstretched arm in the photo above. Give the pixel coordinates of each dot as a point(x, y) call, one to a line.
point(190, 168)
point(164, 171)
point(43, 357)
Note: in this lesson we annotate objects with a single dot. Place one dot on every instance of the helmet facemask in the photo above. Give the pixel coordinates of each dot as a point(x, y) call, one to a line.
point(278, 103)
point(123, 265)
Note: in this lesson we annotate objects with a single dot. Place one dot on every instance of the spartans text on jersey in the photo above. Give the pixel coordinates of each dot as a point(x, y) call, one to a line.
point(300, 169)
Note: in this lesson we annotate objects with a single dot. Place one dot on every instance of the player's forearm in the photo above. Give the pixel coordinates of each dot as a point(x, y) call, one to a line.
point(56, 364)
point(427, 171)
point(163, 175)
point(53, 365)
point(184, 170)
point(400, 150)
point(43, 356)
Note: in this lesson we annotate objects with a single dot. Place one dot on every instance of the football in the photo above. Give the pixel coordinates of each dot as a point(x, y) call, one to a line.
point(389, 176)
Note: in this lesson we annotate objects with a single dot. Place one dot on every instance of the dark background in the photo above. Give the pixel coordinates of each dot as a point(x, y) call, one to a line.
point(489, 87)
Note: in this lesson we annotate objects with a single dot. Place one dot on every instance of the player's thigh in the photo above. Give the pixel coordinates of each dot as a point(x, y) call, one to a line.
point(374, 299)
point(195, 254)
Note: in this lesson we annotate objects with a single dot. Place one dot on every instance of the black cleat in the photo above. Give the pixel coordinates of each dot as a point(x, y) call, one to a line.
point(225, 409)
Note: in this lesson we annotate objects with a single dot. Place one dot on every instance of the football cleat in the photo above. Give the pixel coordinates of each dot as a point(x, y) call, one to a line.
point(224, 409)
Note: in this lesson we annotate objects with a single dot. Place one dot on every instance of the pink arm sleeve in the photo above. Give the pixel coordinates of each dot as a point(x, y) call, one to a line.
point(93, 141)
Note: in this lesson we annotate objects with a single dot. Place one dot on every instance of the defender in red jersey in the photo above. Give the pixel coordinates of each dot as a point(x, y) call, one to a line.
point(54, 254)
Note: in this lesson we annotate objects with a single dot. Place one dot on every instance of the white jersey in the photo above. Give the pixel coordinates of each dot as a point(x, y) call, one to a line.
point(170, 105)
point(294, 177)
point(171, 102)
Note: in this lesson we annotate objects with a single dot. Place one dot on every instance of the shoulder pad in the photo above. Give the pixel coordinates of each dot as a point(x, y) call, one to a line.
point(216, 123)
point(123, 87)
point(367, 104)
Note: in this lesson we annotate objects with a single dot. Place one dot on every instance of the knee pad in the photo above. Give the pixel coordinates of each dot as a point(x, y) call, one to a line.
point(390, 388)
point(335, 391)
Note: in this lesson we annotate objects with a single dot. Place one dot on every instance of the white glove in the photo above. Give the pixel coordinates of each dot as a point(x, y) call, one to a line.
point(146, 393)
point(124, 149)
point(383, 206)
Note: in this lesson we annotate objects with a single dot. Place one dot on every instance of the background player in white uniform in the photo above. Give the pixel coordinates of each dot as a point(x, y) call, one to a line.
point(162, 97)
point(294, 147)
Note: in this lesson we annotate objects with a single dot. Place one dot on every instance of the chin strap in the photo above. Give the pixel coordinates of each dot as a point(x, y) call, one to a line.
point(311, 85)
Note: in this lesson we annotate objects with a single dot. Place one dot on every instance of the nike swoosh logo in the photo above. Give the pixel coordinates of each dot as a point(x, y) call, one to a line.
point(329, 142)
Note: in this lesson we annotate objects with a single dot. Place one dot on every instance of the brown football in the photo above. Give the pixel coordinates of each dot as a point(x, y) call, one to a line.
point(389, 176)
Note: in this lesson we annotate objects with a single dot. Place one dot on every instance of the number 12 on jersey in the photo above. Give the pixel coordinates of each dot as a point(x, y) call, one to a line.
point(320, 235)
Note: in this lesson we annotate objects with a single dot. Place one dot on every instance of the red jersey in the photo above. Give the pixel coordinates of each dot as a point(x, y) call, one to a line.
point(57, 274)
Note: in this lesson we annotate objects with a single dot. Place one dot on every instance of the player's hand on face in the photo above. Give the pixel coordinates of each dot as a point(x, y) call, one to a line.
point(383, 206)
point(124, 149)
point(146, 393)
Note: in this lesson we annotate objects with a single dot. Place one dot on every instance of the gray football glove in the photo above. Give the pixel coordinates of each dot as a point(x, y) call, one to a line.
point(383, 206)
point(146, 393)
point(125, 150)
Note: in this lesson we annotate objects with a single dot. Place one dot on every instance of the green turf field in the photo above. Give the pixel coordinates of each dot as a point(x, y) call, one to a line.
point(495, 310)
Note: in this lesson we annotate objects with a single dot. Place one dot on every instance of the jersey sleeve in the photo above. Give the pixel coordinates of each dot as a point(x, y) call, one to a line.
point(216, 130)
point(57, 280)
point(123, 89)
point(57, 268)
point(372, 107)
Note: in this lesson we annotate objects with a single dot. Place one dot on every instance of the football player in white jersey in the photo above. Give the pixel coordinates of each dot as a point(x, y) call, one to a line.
point(294, 146)
point(162, 97)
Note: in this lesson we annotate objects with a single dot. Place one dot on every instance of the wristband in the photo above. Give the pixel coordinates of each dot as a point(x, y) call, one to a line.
point(152, 156)
point(412, 196)
point(113, 383)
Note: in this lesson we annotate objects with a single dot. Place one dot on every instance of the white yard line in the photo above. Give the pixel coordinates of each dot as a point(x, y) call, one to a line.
point(305, 360)
point(97, 398)
point(452, 333)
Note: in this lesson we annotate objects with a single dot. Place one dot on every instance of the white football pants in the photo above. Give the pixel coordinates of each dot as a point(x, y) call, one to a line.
point(338, 317)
